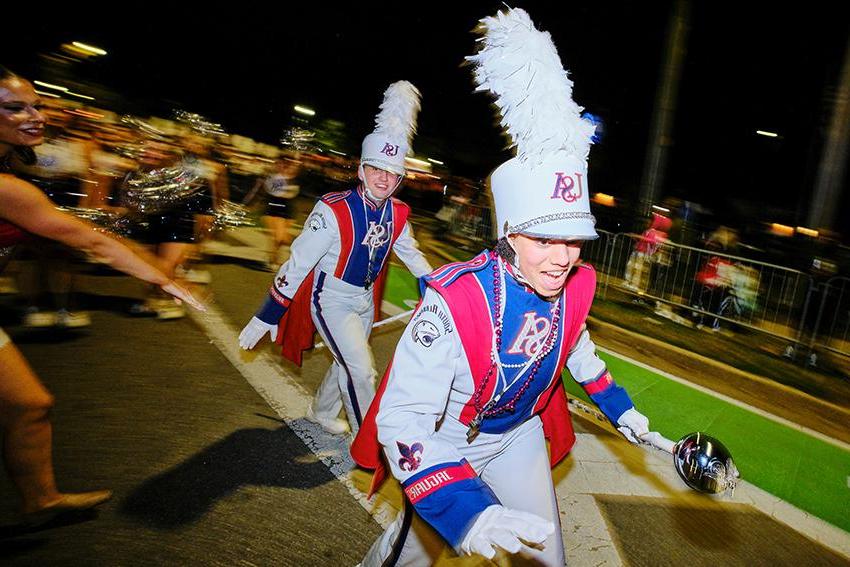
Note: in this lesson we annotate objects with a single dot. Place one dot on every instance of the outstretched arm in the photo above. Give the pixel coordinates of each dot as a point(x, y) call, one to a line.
point(25, 206)
point(592, 374)
point(317, 237)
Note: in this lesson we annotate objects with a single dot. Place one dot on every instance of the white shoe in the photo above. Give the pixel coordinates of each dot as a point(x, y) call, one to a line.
point(333, 425)
point(65, 318)
point(36, 319)
point(192, 275)
point(167, 309)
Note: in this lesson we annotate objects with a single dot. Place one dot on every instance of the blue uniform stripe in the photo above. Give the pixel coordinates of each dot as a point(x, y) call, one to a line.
point(355, 268)
point(357, 259)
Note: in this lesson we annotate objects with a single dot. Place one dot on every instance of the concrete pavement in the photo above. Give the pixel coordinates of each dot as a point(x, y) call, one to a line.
point(212, 462)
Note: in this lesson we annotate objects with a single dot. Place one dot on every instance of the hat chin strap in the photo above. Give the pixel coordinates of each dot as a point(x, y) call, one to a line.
point(515, 263)
point(368, 192)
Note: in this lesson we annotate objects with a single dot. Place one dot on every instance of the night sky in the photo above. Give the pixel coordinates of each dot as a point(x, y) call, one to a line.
point(756, 67)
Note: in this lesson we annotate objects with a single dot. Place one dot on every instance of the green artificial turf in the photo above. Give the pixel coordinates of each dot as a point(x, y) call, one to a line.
point(802, 470)
point(402, 288)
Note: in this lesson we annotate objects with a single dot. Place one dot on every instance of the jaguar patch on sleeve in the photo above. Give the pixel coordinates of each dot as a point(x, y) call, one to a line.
point(425, 333)
point(316, 222)
point(430, 323)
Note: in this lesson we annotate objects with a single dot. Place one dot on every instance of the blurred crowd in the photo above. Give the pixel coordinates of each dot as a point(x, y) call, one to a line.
point(100, 165)
point(171, 184)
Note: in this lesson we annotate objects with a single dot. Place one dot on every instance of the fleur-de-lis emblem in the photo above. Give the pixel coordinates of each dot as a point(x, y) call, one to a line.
point(280, 281)
point(410, 456)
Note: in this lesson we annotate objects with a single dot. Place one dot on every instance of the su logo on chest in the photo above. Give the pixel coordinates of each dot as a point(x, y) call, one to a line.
point(567, 187)
point(531, 335)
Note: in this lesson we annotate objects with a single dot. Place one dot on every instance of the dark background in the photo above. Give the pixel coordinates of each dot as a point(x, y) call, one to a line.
point(748, 66)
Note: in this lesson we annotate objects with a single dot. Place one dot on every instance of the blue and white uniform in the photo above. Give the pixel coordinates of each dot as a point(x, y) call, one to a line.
point(343, 248)
point(435, 388)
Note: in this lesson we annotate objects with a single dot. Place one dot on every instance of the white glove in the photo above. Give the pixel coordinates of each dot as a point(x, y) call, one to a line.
point(254, 331)
point(659, 441)
point(505, 528)
point(633, 425)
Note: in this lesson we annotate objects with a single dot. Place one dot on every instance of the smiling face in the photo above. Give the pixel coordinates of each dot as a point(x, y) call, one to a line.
point(381, 183)
point(545, 262)
point(21, 120)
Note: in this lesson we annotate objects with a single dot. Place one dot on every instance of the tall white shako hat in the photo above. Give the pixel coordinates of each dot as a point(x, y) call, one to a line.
point(543, 191)
point(395, 124)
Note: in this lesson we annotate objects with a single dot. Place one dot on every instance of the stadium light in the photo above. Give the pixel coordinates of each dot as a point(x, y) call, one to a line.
point(50, 86)
point(86, 97)
point(807, 231)
point(605, 200)
point(781, 229)
point(766, 133)
point(438, 162)
point(88, 48)
point(304, 110)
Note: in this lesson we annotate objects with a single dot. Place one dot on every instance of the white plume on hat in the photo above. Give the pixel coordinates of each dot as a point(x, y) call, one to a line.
point(395, 126)
point(520, 66)
point(397, 118)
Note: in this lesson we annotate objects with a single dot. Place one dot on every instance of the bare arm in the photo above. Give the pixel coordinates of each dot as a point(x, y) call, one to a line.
point(249, 198)
point(24, 205)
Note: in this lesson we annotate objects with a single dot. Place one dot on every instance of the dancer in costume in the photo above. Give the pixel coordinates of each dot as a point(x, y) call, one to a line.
point(337, 266)
point(474, 389)
point(280, 188)
point(24, 401)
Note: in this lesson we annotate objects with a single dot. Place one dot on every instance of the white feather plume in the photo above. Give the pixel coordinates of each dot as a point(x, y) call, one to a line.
point(397, 118)
point(520, 65)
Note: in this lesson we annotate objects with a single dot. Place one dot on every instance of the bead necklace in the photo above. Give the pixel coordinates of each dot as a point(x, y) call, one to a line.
point(496, 365)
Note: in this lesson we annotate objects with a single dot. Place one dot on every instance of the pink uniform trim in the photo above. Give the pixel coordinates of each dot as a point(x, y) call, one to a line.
point(599, 385)
point(279, 297)
point(429, 484)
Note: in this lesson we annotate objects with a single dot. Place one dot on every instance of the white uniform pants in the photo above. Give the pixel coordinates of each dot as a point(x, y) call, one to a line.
point(516, 467)
point(343, 315)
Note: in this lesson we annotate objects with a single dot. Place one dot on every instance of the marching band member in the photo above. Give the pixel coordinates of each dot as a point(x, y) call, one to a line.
point(337, 265)
point(474, 388)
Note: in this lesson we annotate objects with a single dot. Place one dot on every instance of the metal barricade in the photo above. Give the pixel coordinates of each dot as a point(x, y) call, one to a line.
point(832, 324)
point(711, 287)
point(596, 252)
point(467, 221)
